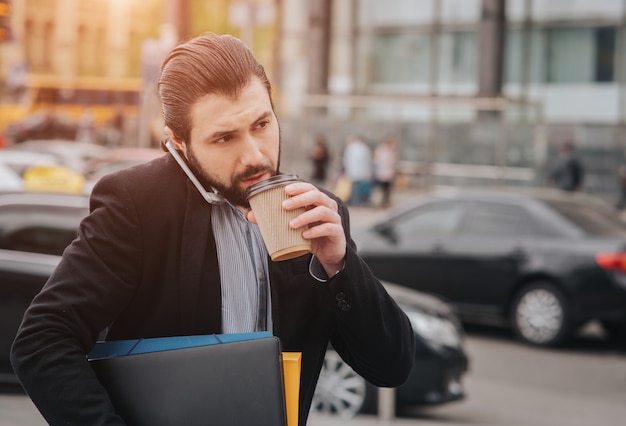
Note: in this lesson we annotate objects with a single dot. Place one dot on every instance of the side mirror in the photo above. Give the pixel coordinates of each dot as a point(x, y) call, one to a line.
point(387, 230)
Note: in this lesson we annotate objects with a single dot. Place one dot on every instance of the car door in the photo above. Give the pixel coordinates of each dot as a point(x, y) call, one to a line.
point(487, 251)
point(407, 249)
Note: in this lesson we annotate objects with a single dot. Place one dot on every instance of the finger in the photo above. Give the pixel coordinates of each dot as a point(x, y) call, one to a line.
point(313, 197)
point(314, 217)
point(251, 217)
point(299, 187)
point(323, 230)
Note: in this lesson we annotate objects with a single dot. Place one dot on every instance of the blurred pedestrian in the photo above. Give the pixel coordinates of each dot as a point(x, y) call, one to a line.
point(171, 248)
point(320, 158)
point(357, 166)
point(86, 129)
point(115, 128)
point(385, 165)
point(568, 172)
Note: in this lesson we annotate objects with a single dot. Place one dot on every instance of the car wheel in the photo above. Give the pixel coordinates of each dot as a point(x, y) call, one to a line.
point(540, 315)
point(340, 391)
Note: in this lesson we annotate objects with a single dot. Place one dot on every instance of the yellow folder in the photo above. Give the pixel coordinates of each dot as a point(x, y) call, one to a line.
point(291, 377)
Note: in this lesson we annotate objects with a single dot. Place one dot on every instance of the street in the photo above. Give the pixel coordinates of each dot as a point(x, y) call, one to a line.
point(516, 385)
point(513, 384)
point(508, 384)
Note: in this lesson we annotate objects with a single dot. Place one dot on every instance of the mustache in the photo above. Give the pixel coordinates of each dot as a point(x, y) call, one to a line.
point(253, 171)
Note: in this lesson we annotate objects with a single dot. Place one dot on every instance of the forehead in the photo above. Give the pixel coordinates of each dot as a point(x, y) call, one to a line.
point(219, 112)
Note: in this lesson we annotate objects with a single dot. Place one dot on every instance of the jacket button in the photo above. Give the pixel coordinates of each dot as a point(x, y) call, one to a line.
point(342, 303)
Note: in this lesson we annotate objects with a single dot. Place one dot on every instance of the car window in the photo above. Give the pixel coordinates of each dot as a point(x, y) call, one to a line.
point(434, 220)
point(495, 220)
point(38, 229)
point(39, 239)
point(592, 219)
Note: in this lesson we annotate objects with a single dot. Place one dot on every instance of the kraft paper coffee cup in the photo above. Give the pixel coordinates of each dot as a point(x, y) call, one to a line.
point(266, 199)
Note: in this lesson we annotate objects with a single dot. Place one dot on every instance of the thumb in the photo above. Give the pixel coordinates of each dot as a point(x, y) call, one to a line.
point(251, 217)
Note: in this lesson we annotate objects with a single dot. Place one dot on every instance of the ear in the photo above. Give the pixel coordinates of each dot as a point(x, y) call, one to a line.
point(178, 144)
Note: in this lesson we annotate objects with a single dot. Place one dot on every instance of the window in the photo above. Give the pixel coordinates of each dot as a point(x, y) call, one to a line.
point(39, 239)
point(514, 60)
point(401, 58)
point(495, 220)
point(434, 220)
point(562, 55)
point(458, 57)
point(580, 55)
point(592, 220)
point(393, 12)
point(35, 229)
point(605, 54)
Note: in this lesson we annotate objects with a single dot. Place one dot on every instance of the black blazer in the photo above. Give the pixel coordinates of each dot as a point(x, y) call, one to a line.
point(144, 264)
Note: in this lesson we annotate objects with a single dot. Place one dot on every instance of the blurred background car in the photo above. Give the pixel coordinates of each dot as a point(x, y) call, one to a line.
point(542, 262)
point(10, 180)
point(53, 179)
point(36, 227)
point(90, 160)
point(38, 171)
point(440, 363)
point(70, 153)
point(116, 159)
point(42, 125)
point(19, 161)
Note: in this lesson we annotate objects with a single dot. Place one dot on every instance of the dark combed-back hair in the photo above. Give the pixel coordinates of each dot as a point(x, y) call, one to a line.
point(208, 64)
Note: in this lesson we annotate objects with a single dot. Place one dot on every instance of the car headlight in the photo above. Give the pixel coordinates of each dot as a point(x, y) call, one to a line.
point(437, 330)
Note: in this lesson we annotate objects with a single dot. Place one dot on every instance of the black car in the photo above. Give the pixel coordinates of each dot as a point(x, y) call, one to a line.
point(35, 229)
point(543, 262)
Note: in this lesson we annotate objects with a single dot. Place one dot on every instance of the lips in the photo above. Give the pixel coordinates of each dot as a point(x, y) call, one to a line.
point(255, 178)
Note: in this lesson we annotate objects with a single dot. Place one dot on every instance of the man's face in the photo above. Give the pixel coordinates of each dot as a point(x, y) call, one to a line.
point(234, 142)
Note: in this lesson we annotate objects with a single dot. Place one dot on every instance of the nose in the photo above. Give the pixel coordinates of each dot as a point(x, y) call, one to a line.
point(252, 154)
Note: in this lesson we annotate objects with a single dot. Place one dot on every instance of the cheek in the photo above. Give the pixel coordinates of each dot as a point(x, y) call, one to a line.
point(215, 165)
point(273, 144)
point(222, 168)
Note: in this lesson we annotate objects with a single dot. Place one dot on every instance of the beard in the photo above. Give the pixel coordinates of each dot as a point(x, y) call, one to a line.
point(232, 191)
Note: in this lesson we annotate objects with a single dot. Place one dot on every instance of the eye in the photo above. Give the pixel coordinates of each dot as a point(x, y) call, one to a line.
point(224, 139)
point(262, 124)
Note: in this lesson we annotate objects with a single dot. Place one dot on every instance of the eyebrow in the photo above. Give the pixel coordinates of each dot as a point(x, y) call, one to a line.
point(223, 133)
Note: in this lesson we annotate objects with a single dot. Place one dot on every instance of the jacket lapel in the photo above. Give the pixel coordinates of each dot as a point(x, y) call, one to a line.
point(200, 290)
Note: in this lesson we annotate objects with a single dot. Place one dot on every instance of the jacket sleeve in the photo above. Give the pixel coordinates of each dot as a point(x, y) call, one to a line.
point(372, 333)
point(91, 284)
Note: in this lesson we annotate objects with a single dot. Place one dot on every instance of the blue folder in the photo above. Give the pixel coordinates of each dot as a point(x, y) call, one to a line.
point(219, 379)
point(113, 348)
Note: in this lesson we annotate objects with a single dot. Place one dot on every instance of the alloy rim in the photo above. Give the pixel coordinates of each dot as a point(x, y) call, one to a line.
point(539, 316)
point(339, 389)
